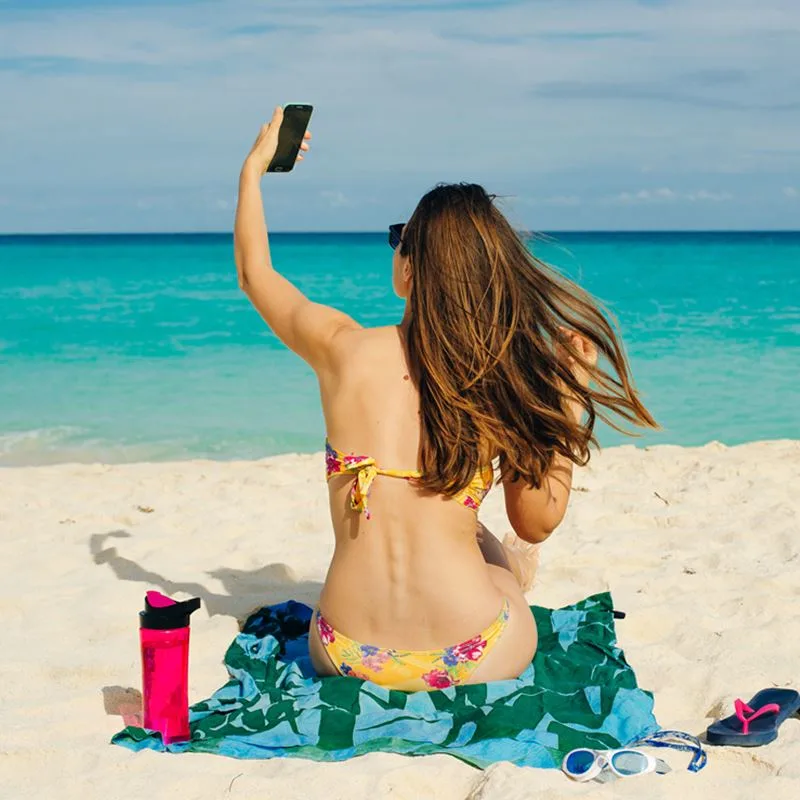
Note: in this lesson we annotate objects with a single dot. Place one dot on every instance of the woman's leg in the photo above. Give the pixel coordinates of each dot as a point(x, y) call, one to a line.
point(519, 557)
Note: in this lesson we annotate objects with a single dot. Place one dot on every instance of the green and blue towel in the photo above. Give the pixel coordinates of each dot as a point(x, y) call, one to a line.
point(579, 691)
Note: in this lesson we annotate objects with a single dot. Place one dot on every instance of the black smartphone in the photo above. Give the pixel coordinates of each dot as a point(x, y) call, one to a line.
point(290, 136)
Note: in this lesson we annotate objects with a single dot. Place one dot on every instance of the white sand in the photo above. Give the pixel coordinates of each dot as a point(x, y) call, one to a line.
point(699, 546)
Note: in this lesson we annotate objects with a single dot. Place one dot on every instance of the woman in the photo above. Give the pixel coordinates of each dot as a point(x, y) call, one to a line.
point(480, 370)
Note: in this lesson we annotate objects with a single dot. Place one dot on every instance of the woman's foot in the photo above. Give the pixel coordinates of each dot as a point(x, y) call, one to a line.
point(523, 558)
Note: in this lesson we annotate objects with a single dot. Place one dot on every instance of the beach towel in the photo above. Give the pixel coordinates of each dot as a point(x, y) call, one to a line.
point(579, 691)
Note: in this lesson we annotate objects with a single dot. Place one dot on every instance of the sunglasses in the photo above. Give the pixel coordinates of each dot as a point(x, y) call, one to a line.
point(395, 233)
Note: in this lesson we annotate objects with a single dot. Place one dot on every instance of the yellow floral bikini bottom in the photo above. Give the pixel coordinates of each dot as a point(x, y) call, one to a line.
point(410, 670)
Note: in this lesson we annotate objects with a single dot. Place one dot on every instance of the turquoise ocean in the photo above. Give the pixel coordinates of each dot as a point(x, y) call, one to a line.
point(142, 348)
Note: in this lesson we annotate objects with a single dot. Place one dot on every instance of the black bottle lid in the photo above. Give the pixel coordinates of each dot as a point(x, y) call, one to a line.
point(163, 614)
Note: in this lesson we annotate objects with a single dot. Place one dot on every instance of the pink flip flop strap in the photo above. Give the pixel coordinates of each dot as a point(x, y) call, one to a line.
point(742, 707)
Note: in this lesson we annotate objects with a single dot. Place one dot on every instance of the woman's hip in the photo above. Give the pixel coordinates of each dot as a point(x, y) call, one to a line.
point(499, 651)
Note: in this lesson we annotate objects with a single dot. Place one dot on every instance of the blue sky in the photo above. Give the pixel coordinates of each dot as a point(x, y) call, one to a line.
point(585, 114)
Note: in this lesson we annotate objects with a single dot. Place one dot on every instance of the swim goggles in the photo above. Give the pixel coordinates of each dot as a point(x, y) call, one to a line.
point(585, 764)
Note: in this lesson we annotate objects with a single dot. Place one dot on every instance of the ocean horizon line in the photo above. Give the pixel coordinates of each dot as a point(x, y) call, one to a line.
point(382, 232)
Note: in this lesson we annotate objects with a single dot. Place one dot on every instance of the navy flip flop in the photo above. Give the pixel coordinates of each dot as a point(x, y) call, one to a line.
point(757, 722)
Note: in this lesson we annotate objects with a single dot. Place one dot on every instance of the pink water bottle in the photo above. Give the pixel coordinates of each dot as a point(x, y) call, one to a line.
point(164, 637)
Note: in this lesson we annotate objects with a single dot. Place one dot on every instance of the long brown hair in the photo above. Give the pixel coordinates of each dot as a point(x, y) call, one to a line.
point(483, 318)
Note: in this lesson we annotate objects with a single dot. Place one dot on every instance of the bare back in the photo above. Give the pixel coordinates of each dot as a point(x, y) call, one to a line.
point(412, 576)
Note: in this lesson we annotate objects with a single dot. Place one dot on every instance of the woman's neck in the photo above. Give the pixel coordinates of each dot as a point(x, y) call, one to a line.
point(406, 321)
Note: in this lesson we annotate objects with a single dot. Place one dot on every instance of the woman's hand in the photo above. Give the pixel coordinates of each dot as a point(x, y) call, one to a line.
point(586, 348)
point(263, 150)
point(588, 351)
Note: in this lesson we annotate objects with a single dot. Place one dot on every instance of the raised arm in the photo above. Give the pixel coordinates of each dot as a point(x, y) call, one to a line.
point(307, 328)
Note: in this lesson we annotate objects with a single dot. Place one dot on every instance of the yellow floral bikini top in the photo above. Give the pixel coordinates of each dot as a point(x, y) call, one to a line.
point(365, 469)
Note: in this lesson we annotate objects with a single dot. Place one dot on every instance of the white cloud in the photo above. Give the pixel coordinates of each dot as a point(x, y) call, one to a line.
point(646, 196)
point(665, 195)
point(790, 191)
point(335, 198)
point(714, 197)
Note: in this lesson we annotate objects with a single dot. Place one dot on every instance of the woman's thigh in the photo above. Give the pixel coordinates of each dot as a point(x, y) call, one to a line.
point(515, 648)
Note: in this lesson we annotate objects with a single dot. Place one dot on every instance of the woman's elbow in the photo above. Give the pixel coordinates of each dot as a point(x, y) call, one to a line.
point(533, 535)
point(243, 276)
point(242, 270)
point(532, 531)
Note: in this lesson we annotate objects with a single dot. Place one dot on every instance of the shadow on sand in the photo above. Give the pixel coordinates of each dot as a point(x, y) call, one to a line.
point(247, 591)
